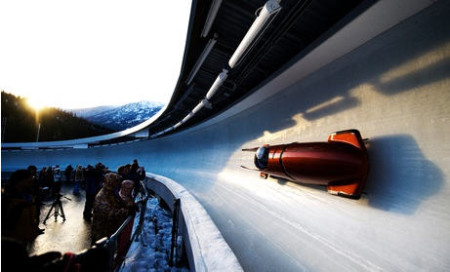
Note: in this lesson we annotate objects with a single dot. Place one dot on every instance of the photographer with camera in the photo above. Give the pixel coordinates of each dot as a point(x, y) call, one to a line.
point(57, 180)
point(37, 194)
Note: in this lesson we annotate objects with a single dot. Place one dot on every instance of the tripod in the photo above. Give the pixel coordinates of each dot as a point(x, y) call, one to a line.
point(58, 208)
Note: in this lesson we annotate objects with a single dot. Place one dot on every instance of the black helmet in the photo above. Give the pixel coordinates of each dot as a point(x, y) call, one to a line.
point(262, 157)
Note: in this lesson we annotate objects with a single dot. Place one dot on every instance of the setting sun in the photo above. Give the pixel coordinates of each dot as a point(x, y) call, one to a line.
point(36, 104)
point(78, 68)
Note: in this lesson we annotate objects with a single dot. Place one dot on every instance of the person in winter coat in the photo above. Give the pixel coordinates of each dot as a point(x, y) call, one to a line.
point(57, 181)
point(109, 210)
point(68, 173)
point(42, 179)
point(37, 194)
point(50, 178)
point(141, 172)
point(19, 220)
point(126, 192)
point(94, 178)
point(79, 179)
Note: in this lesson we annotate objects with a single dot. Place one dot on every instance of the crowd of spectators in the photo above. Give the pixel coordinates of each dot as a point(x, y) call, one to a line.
point(109, 197)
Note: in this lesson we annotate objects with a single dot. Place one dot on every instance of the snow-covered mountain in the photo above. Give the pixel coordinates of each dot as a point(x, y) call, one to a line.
point(120, 117)
point(87, 112)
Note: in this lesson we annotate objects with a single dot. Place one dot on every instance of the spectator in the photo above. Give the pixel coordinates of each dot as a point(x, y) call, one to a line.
point(79, 179)
point(36, 194)
point(43, 178)
point(93, 180)
point(50, 179)
point(57, 181)
point(19, 220)
point(133, 175)
point(126, 192)
point(137, 173)
point(68, 173)
point(123, 171)
point(127, 168)
point(141, 172)
point(101, 168)
point(109, 210)
point(135, 164)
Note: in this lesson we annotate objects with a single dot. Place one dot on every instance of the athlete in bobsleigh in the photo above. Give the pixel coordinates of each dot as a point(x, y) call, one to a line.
point(341, 164)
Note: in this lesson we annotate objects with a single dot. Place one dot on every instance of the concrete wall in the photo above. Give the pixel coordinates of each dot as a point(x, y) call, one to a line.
point(205, 247)
point(395, 89)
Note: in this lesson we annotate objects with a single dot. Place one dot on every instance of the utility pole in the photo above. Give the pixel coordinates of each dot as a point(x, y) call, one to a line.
point(38, 131)
point(4, 121)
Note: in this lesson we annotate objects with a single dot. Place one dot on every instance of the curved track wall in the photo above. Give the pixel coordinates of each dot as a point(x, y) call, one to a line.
point(395, 90)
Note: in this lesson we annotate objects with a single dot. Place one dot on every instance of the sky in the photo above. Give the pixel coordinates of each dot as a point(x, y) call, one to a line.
point(86, 53)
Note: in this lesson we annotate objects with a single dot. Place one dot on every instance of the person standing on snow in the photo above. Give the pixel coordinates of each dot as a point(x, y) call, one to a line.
point(57, 181)
point(79, 179)
point(110, 211)
point(94, 178)
point(19, 220)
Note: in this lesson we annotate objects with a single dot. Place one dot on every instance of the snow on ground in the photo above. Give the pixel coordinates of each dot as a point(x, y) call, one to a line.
point(150, 250)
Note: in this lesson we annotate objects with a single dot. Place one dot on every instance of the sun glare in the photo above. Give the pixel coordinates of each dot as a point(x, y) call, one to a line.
point(36, 104)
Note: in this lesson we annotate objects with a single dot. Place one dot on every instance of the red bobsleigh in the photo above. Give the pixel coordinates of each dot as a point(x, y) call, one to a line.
point(341, 164)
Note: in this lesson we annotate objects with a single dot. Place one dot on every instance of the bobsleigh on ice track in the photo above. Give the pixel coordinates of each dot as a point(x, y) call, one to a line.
point(341, 164)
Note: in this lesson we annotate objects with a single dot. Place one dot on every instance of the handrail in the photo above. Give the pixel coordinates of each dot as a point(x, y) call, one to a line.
point(119, 242)
point(190, 223)
point(107, 254)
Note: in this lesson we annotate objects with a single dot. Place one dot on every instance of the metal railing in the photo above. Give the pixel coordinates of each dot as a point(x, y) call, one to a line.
point(119, 242)
point(107, 254)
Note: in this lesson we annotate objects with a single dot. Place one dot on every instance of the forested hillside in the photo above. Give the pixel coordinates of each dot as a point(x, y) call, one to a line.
point(20, 123)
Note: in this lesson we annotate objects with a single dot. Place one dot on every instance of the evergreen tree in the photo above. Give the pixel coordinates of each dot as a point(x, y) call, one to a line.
point(20, 123)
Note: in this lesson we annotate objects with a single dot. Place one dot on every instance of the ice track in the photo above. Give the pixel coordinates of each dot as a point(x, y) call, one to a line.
point(393, 88)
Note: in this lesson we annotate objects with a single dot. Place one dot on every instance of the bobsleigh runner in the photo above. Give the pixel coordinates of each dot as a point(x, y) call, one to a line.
point(341, 164)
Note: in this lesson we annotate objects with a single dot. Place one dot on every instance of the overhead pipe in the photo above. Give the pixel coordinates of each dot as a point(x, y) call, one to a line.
point(177, 124)
point(203, 103)
point(217, 83)
point(169, 129)
point(189, 116)
point(267, 13)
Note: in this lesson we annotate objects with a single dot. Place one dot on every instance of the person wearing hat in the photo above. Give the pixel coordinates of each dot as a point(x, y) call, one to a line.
point(126, 192)
point(109, 210)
